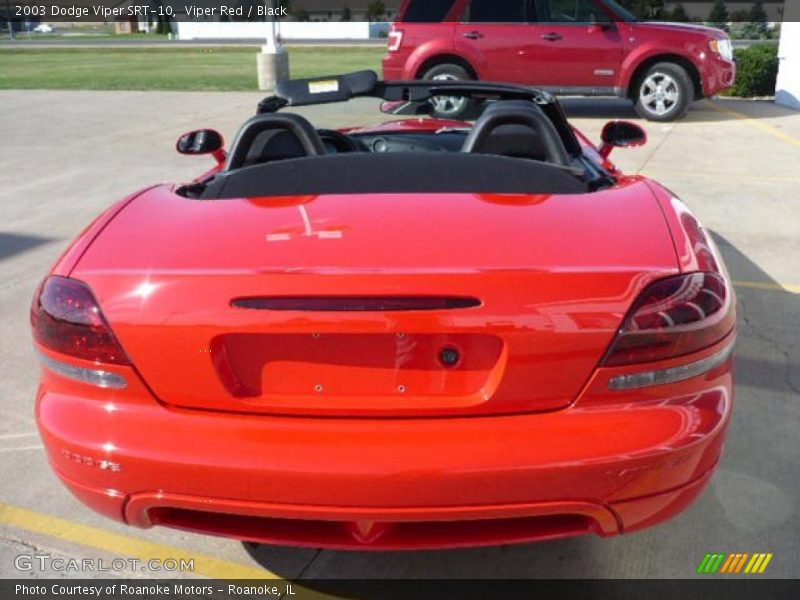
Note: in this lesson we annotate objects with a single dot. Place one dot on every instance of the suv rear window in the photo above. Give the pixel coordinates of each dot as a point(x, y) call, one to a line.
point(427, 11)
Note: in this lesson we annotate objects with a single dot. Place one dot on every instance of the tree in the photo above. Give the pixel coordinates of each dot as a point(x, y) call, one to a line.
point(756, 27)
point(636, 7)
point(347, 14)
point(719, 16)
point(679, 14)
point(656, 9)
point(376, 10)
point(757, 13)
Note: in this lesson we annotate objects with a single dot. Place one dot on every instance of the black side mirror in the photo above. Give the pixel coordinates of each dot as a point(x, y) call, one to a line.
point(203, 141)
point(621, 134)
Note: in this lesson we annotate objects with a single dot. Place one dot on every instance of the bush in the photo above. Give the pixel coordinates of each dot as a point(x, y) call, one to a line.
point(756, 71)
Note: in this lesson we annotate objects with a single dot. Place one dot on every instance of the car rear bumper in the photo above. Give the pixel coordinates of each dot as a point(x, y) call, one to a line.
point(405, 528)
point(601, 466)
point(393, 65)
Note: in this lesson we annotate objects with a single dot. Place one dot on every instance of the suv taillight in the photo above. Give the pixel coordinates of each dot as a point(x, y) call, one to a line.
point(66, 318)
point(673, 317)
point(395, 40)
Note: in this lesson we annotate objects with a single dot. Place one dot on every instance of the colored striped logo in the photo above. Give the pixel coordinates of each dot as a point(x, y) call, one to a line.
point(741, 562)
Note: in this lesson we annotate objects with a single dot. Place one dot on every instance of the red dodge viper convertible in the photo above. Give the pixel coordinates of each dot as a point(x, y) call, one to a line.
point(425, 333)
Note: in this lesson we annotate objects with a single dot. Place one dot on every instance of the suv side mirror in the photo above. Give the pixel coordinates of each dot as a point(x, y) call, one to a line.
point(621, 134)
point(202, 141)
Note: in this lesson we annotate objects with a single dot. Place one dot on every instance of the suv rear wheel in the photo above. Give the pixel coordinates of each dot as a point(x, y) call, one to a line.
point(663, 93)
point(449, 107)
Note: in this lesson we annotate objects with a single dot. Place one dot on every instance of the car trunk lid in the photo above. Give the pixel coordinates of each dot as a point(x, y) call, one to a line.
point(351, 305)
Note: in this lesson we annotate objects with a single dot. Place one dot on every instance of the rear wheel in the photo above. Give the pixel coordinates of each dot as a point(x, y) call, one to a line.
point(663, 93)
point(449, 107)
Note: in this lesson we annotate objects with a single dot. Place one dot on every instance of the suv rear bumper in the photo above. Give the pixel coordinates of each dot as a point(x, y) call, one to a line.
point(600, 466)
point(393, 65)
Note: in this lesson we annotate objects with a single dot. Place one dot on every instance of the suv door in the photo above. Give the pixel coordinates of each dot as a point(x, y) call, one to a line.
point(578, 47)
point(494, 35)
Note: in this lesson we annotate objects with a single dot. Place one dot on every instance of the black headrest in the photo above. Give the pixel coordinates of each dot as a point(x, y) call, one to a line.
point(517, 141)
point(516, 128)
point(293, 125)
point(275, 144)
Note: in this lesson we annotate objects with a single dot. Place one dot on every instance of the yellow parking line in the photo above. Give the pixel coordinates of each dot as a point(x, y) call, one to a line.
point(770, 129)
point(763, 285)
point(117, 544)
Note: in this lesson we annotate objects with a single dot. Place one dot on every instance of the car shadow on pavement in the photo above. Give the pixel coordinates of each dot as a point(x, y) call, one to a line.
point(759, 452)
point(12, 244)
point(768, 355)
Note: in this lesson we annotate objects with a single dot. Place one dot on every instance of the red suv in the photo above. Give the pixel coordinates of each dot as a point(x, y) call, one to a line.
point(568, 47)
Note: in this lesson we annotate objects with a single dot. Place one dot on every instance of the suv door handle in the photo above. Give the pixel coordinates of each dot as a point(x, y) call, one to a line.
point(552, 37)
point(473, 35)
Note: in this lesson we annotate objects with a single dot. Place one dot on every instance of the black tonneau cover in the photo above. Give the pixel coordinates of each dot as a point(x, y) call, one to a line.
point(392, 173)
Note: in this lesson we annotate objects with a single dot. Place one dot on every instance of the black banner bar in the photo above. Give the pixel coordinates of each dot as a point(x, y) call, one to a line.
point(109, 11)
point(711, 588)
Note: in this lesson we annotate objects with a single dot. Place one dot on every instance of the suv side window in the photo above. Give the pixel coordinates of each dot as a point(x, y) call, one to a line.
point(427, 11)
point(570, 11)
point(497, 11)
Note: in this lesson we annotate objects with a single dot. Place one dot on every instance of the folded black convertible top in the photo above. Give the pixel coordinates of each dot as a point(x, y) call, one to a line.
point(394, 172)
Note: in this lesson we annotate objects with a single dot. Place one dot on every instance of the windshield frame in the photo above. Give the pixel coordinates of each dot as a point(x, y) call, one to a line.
point(291, 93)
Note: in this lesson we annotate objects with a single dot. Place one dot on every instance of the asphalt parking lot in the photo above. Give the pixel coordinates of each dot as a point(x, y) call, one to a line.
point(66, 156)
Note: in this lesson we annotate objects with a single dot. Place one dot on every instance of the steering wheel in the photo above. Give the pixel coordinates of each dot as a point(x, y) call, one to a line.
point(340, 141)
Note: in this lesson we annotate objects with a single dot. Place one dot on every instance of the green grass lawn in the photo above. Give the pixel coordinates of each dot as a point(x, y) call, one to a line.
point(195, 68)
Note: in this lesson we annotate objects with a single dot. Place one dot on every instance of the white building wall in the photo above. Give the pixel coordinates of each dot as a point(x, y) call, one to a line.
point(787, 91)
point(288, 30)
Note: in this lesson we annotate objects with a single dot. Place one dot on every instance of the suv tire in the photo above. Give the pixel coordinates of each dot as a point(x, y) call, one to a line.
point(663, 93)
point(450, 107)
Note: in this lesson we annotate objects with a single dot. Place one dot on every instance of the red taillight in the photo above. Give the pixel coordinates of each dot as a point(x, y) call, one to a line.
point(673, 317)
point(395, 40)
point(66, 318)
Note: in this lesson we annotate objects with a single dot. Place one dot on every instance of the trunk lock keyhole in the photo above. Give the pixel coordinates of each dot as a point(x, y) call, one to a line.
point(449, 356)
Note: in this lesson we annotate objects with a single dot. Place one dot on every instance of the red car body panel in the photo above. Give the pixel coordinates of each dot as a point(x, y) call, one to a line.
point(582, 59)
point(221, 428)
point(316, 246)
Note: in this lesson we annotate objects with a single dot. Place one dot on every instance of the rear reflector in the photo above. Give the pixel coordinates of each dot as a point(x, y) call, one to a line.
point(673, 317)
point(103, 379)
point(355, 303)
point(671, 375)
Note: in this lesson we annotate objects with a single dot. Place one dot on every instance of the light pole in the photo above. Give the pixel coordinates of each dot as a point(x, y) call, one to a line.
point(273, 61)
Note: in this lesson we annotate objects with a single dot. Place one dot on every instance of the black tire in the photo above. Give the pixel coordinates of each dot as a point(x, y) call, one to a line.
point(663, 92)
point(445, 109)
